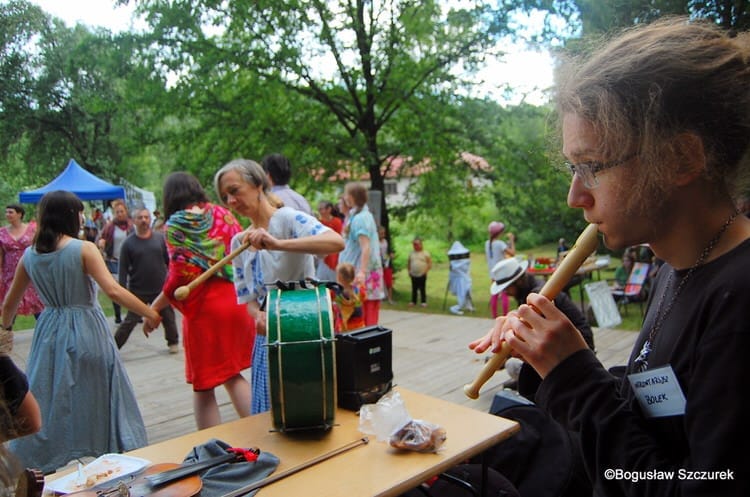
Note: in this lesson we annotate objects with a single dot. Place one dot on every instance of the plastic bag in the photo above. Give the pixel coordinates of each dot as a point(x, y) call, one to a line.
point(385, 417)
point(419, 436)
point(389, 420)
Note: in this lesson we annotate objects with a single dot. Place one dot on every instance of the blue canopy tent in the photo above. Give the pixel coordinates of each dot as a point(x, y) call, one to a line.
point(79, 181)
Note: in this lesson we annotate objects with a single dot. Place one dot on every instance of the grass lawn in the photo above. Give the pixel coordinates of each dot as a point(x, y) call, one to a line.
point(438, 301)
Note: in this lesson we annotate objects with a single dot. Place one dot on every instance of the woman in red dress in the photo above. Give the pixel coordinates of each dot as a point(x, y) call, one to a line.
point(218, 333)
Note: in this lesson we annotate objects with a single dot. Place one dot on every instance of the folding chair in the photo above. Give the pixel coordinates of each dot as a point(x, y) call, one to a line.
point(603, 304)
point(635, 289)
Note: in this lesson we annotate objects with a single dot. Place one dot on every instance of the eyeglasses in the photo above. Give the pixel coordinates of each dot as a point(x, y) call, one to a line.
point(587, 170)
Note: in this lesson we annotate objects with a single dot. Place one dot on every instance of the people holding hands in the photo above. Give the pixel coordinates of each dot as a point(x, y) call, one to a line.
point(73, 364)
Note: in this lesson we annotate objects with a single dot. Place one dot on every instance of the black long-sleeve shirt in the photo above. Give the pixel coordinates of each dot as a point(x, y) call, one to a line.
point(705, 339)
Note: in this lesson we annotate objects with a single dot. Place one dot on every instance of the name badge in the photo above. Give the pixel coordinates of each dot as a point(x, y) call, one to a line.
point(658, 392)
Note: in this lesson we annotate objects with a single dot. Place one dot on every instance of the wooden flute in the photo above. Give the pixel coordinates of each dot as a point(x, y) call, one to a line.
point(585, 244)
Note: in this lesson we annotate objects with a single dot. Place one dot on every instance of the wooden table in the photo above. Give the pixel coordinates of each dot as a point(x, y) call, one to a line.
point(545, 271)
point(374, 469)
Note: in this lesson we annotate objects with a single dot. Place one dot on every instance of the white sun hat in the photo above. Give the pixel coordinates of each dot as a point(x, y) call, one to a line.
point(506, 272)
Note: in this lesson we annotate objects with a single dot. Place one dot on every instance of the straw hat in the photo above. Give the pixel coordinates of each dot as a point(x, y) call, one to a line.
point(506, 272)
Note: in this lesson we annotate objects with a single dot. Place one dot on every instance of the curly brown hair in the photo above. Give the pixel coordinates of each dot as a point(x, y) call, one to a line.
point(652, 83)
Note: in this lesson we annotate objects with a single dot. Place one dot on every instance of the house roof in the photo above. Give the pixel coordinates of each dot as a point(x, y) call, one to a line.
point(399, 166)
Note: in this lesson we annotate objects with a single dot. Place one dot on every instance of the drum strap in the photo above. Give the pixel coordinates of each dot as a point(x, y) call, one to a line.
point(305, 284)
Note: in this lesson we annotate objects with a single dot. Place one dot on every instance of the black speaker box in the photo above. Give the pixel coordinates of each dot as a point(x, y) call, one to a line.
point(363, 366)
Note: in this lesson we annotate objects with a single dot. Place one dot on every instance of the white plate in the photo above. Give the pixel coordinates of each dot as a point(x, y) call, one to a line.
point(100, 470)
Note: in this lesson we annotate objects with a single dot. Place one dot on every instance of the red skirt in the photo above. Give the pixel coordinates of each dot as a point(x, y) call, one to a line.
point(388, 277)
point(218, 335)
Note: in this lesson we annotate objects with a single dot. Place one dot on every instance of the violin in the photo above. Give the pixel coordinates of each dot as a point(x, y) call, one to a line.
point(166, 479)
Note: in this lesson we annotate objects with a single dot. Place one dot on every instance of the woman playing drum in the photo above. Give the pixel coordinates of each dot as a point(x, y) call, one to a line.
point(282, 240)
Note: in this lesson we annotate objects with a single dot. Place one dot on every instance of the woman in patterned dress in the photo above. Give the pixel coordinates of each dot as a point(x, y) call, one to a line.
point(14, 239)
point(218, 333)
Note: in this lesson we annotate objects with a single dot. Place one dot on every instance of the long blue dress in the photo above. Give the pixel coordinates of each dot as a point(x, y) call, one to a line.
point(87, 401)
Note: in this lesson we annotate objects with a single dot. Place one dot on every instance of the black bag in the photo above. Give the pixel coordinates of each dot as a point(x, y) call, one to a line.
point(465, 480)
point(541, 460)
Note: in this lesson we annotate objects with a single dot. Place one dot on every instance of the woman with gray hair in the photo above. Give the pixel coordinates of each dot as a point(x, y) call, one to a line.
point(283, 241)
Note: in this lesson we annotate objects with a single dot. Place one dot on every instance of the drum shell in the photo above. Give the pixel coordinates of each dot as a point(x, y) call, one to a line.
point(301, 359)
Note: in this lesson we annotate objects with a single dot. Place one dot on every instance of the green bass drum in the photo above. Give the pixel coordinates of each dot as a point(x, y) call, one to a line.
point(301, 358)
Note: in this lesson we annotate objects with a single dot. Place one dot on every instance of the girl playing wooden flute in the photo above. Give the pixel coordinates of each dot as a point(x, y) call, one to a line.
point(656, 129)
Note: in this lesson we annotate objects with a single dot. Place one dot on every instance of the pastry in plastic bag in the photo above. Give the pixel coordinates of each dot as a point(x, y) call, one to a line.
point(389, 420)
point(418, 436)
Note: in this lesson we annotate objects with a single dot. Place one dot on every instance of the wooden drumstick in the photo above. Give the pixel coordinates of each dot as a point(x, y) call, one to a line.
point(585, 244)
point(296, 469)
point(182, 292)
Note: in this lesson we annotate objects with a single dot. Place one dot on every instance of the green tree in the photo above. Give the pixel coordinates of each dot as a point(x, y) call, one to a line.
point(361, 62)
point(222, 116)
point(595, 16)
point(20, 24)
point(526, 187)
point(91, 95)
point(72, 93)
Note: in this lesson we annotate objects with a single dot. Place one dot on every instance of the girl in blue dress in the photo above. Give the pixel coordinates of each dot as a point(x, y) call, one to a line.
point(87, 402)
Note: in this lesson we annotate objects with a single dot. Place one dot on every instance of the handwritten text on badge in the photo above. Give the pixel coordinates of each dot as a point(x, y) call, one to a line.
point(658, 392)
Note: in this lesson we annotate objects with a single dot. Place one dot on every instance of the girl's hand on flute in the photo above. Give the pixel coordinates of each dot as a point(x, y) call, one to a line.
point(493, 339)
point(541, 334)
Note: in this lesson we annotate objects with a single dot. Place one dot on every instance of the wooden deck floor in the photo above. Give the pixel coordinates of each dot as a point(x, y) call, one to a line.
point(430, 356)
